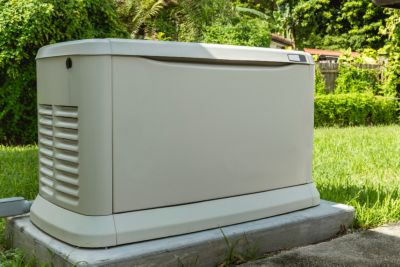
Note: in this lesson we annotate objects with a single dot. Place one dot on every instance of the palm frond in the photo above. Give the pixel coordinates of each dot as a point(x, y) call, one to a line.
point(137, 12)
point(252, 11)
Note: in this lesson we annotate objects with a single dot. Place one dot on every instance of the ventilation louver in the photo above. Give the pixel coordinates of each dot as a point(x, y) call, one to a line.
point(59, 153)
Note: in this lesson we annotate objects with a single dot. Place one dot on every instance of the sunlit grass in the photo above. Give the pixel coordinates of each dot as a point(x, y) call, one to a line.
point(360, 166)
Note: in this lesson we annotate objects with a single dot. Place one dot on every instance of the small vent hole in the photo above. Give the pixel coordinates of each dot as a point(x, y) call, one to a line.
point(68, 63)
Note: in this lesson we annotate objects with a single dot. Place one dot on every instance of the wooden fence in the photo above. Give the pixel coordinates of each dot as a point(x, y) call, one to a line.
point(330, 72)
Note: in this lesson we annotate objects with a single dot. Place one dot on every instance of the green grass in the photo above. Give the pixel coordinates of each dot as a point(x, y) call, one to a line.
point(18, 177)
point(18, 171)
point(359, 166)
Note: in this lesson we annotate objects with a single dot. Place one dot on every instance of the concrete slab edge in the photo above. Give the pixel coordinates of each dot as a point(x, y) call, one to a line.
point(205, 248)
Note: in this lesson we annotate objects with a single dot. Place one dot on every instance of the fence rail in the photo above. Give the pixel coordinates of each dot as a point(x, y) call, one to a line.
point(330, 71)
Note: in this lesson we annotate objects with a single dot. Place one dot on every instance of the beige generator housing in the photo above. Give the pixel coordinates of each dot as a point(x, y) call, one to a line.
point(141, 139)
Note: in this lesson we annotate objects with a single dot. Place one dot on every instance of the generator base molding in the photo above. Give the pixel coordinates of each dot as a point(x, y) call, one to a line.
point(122, 228)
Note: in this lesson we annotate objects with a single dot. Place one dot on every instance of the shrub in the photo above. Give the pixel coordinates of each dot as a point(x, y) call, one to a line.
point(353, 79)
point(27, 25)
point(320, 88)
point(354, 109)
point(392, 49)
point(250, 32)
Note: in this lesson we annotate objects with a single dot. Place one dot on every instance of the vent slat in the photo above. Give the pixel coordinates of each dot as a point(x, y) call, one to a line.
point(46, 161)
point(45, 151)
point(66, 123)
point(46, 181)
point(66, 112)
point(67, 190)
point(45, 141)
point(48, 190)
point(45, 121)
point(66, 179)
point(46, 171)
point(45, 110)
point(65, 168)
point(64, 134)
point(45, 131)
point(70, 147)
point(66, 157)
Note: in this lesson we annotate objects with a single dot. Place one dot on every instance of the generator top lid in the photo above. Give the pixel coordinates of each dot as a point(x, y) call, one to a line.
point(176, 51)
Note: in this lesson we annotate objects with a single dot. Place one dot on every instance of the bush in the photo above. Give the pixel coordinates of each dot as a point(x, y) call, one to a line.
point(25, 26)
point(320, 87)
point(250, 32)
point(353, 79)
point(354, 109)
point(392, 49)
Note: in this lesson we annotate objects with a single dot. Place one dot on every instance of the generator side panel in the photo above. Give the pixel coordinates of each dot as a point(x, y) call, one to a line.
point(190, 132)
point(75, 133)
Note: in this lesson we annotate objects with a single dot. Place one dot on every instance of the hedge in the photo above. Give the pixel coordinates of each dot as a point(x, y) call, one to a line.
point(27, 25)
point(354, 109)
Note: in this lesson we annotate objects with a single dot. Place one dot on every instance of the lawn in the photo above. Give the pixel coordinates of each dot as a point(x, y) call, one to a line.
point(359, 166)
point(18, 177)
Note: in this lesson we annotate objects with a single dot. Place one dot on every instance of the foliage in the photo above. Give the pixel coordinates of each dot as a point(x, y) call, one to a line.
point(354, 109)
point(25, 26)
point(250, 32)
point(315, 23)
point(135, 13)
point(333, 24)
point(16, 258)
point(354, 79)
point(214, 21)
point(187, 20)
point(392, 49)
point(320, 87)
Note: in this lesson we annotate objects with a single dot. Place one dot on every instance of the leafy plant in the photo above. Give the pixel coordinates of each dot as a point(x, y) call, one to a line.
point(25, 26)
point(320, 87)
point(215, 21)
point(354, 109)
point(251, 11)
point(135, 13)
point(194, 16)
point(333, 24)
point(392, 49)
point(354, 79)
point(250, 32)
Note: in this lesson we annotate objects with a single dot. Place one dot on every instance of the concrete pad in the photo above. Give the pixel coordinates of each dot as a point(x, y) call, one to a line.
point(205, 248)
point(376, 247)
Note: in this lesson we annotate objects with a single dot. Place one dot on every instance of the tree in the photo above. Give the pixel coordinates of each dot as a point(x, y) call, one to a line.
point(216, 21)
point(333, 23)
point(27, 25)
